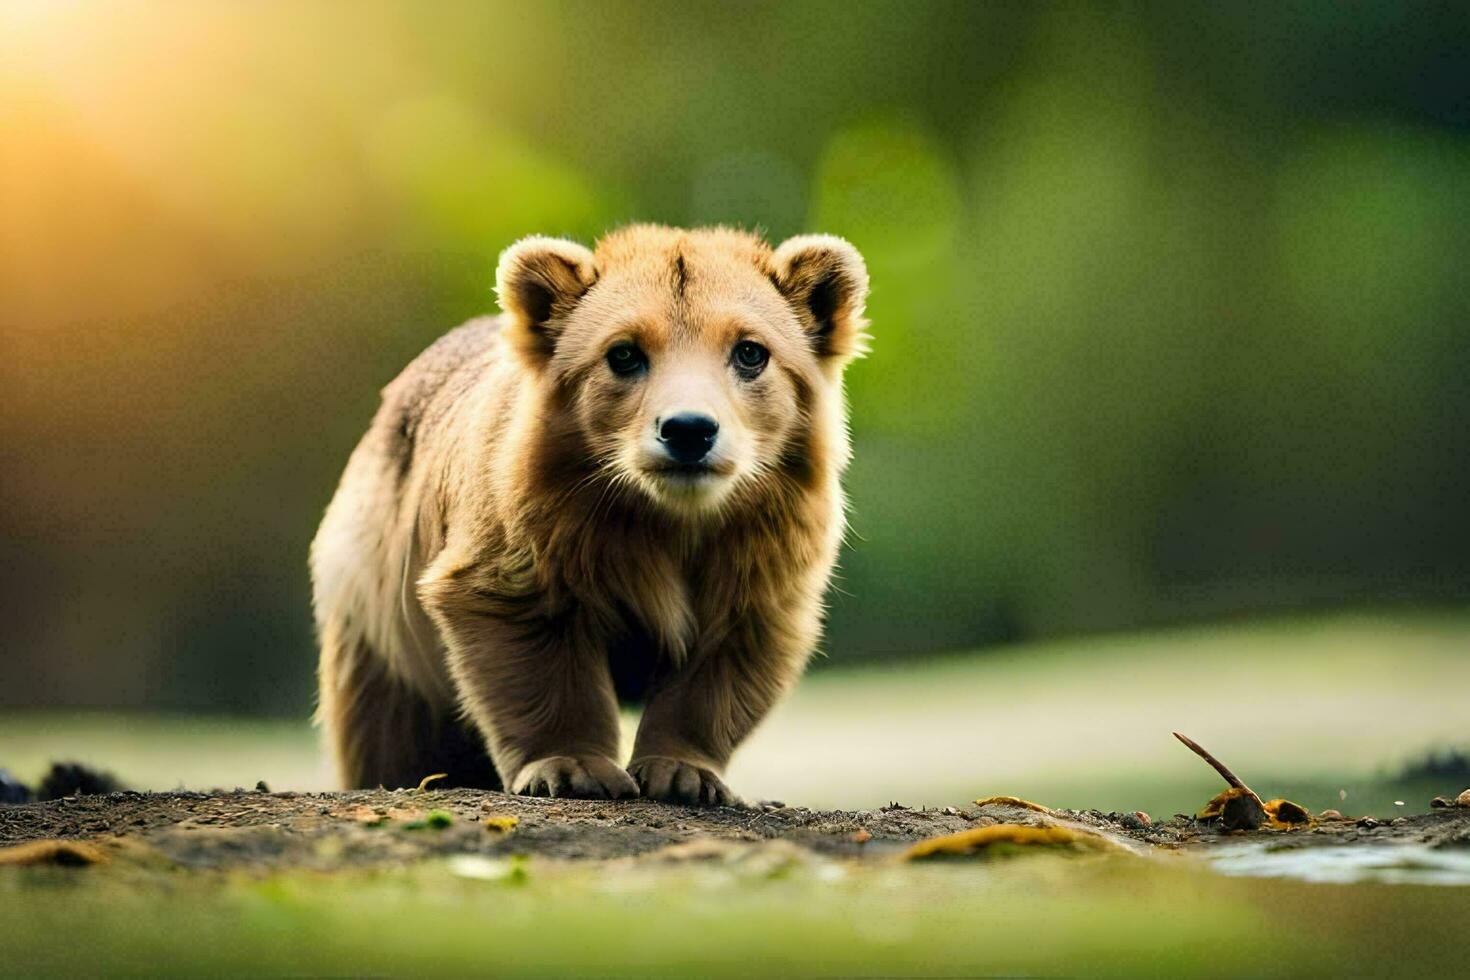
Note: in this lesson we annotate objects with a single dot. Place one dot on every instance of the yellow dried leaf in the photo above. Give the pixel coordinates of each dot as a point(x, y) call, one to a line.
point(502, 825)
point(1012, 801)
point(1286, 815)
point(67, 852)
point(979, 840)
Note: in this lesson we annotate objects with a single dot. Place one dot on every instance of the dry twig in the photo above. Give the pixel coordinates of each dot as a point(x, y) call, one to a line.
point(1230, 777)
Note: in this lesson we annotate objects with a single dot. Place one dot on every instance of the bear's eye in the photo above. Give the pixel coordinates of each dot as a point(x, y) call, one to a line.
point(750, 358)
point(625, 358)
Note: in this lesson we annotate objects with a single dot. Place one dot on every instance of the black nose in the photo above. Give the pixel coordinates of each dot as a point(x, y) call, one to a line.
point(688, 436)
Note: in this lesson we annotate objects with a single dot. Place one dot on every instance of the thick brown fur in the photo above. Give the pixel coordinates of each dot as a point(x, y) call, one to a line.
point(509, 536)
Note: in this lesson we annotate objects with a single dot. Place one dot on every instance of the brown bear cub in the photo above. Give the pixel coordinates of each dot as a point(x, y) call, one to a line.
point(626, 485)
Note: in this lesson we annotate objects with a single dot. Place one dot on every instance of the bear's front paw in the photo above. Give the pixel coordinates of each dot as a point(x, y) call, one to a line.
point(584, 777)
point(663, 778)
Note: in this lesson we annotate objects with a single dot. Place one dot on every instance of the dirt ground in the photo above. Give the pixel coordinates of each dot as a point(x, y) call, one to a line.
point(329, 831)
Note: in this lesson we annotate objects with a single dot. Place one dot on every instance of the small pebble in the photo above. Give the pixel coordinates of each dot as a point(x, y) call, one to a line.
point(1331, 815)
point(950, 811)
point(1368, 823)
point(1398, 821)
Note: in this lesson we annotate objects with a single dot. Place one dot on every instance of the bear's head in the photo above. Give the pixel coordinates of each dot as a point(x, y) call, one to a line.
point(695, 366)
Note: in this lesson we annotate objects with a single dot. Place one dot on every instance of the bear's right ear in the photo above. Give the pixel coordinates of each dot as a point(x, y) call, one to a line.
point(539, 281)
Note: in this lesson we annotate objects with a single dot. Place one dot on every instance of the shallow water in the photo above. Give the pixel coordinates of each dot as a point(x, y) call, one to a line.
point(1391, 864)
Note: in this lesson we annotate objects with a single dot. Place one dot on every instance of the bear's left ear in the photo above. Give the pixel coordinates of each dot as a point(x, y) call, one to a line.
point(825, 280)
point(539, 281)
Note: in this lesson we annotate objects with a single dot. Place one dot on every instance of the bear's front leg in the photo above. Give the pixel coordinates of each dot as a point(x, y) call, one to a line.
point(539, 690)
point(693, 723)
point(542, 694)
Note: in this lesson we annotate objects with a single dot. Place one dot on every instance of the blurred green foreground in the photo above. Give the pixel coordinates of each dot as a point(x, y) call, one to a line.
point(1033, 916)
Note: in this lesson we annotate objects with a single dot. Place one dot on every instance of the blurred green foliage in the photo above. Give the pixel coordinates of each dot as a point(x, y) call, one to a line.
point(1168, 301)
